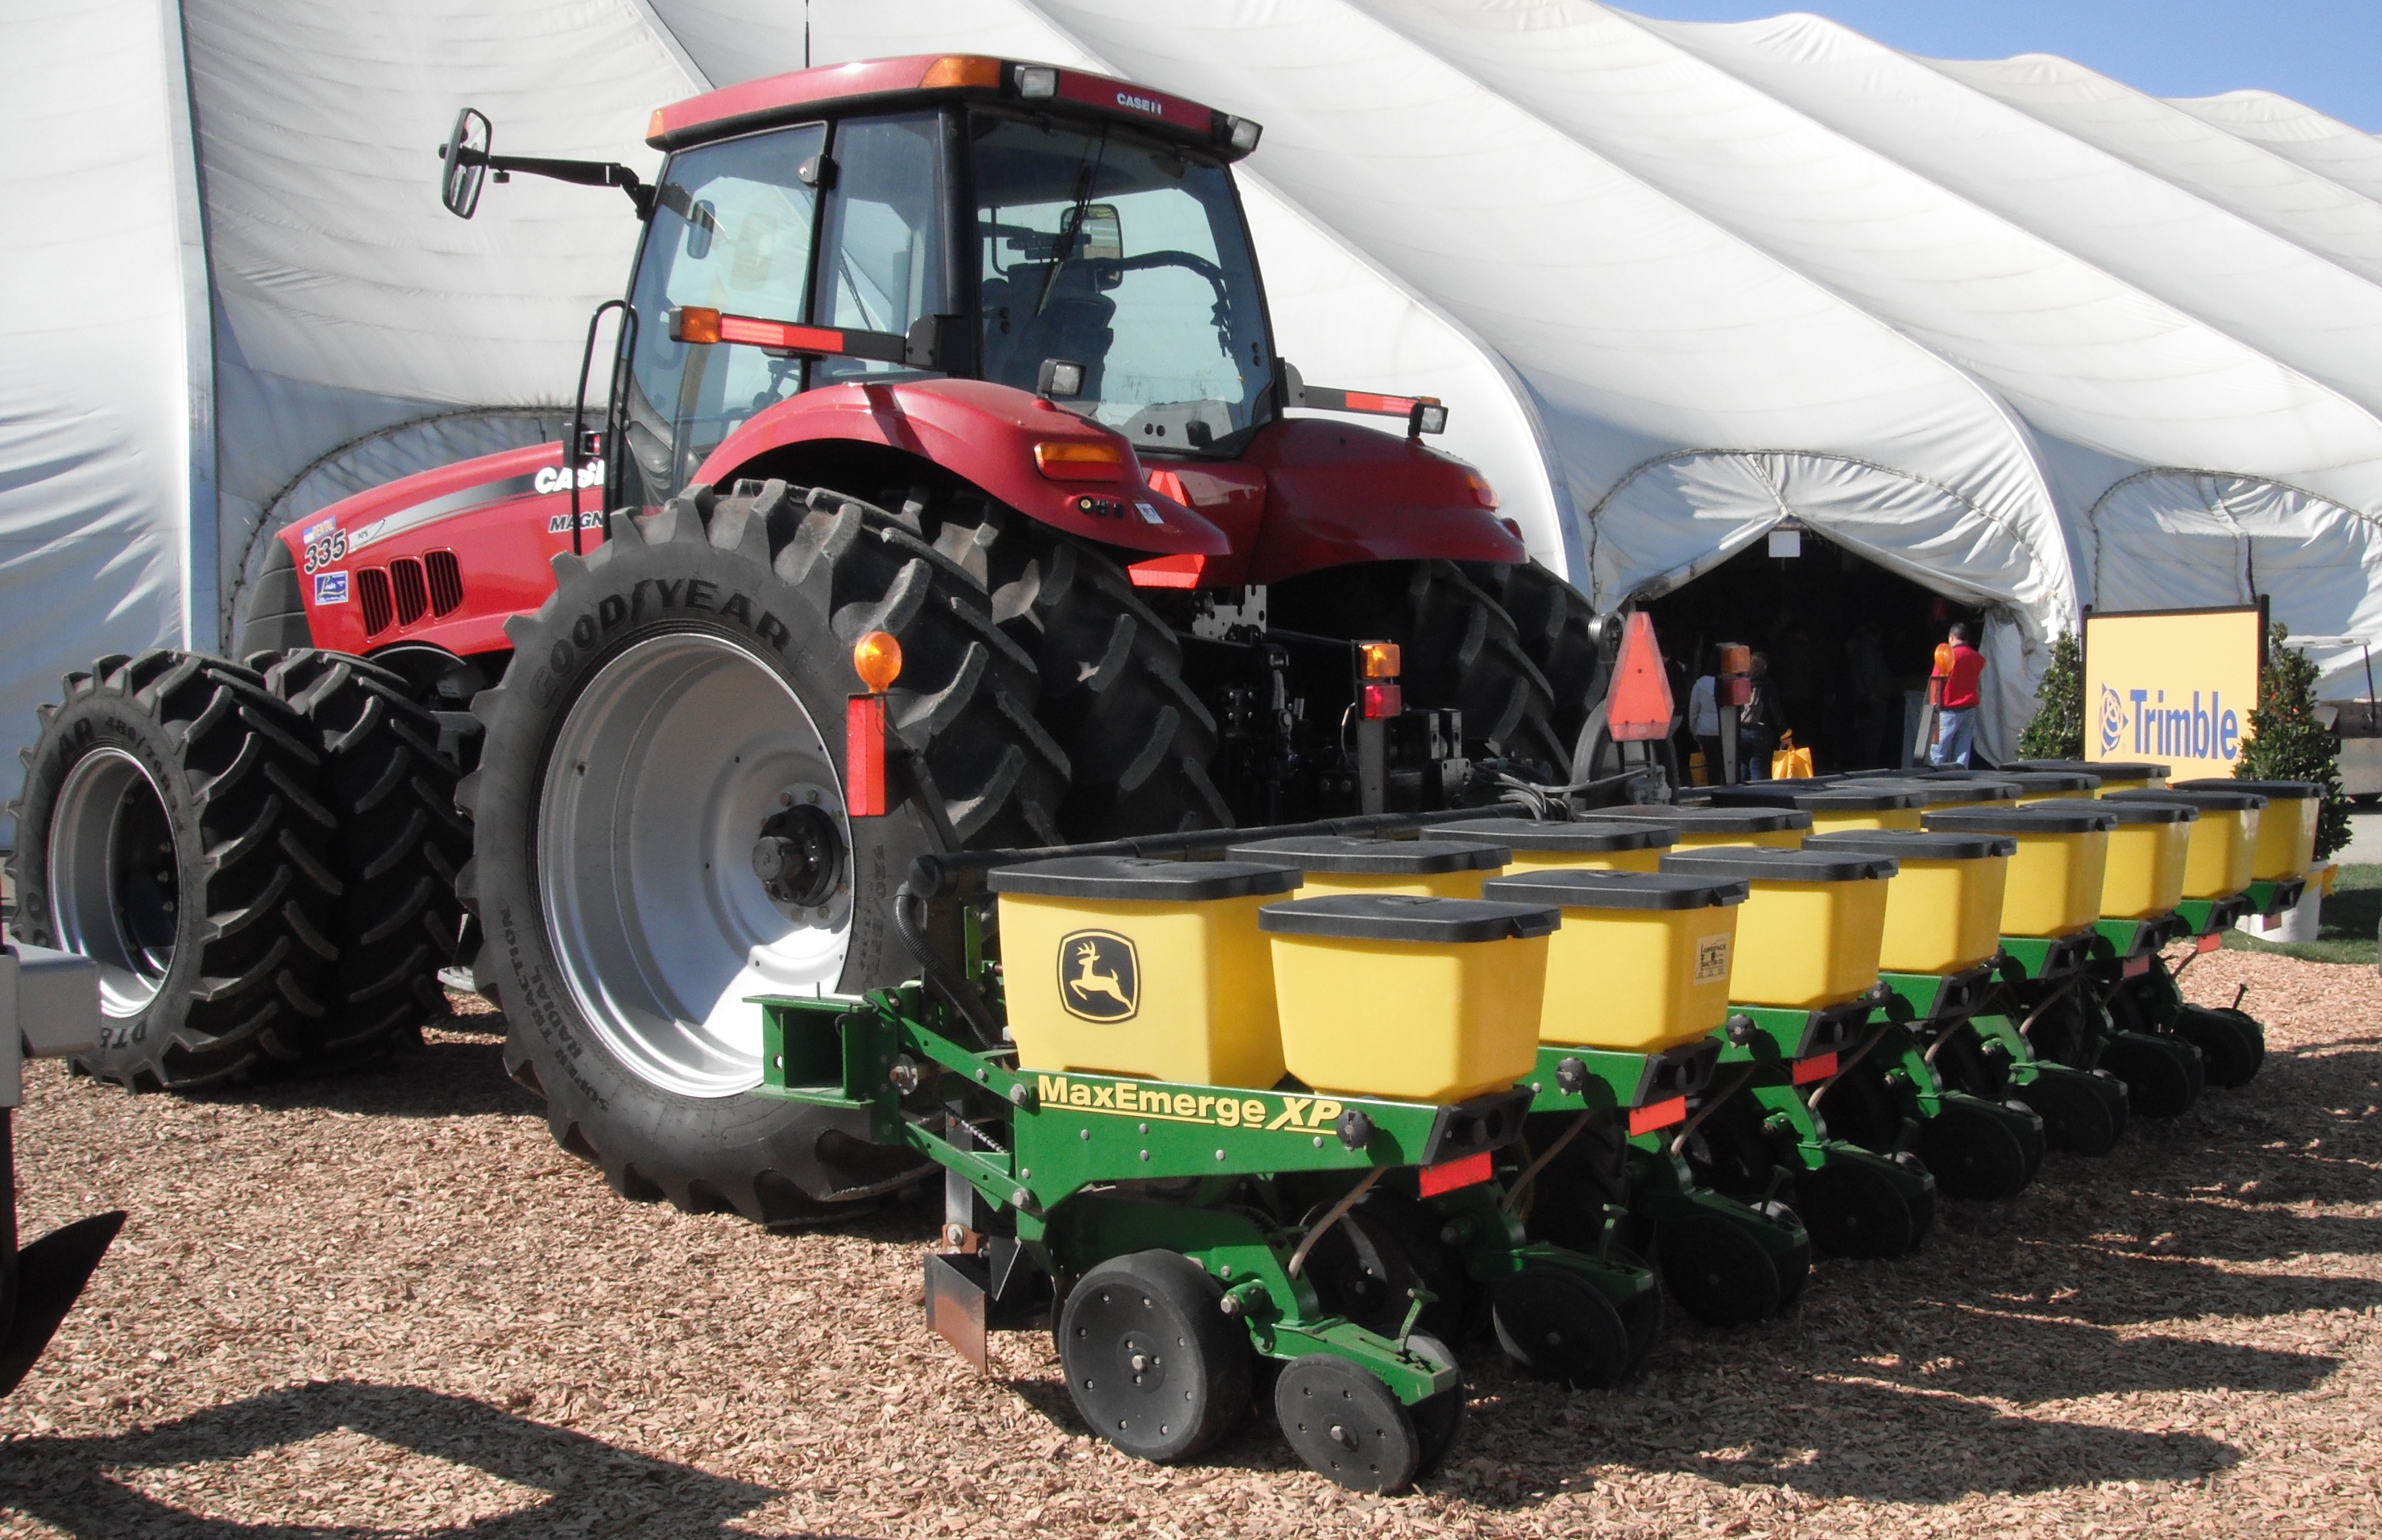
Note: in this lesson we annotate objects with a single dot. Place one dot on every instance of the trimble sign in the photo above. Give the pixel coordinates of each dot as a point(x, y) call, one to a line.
point(2172, 686)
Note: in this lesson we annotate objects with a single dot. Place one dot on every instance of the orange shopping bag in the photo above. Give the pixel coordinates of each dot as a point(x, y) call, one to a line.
point(1789, 762)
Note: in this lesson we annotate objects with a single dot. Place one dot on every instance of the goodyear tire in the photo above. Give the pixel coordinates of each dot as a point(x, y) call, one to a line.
point(1460, 649)
point(1555, 625)
point(397, 849)
point(678, 704)
point(1113, 694)
point(1138, 740)
point(169, 830)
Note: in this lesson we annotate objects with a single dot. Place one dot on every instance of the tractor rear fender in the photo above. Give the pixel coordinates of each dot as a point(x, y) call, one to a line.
point(1336, 493)
point(994, 437)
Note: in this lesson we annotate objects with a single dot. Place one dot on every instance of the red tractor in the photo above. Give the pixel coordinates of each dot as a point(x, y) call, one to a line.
point(964, 351)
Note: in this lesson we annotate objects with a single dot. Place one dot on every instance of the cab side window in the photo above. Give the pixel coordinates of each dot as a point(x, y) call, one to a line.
point(882, 248)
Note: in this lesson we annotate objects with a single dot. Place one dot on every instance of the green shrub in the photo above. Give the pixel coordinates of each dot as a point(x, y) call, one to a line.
point(2057, 730)
point(2288, 744)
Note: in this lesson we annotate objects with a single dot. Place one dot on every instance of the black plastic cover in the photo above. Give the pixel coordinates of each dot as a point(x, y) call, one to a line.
point(1821, 796)
point(1389, 858)
point(1582, 839)
point(1138, 877)
point(1907, 845)
point(2131, 812)
point(1947, 790)
point(1581, 889)
point(2107, 769)
point(2228, 800)
point(1408, 917)
point(1768, 863)
point(2274, 790)
point(2038, 783)
point(1717, 820)
point(2058, 815)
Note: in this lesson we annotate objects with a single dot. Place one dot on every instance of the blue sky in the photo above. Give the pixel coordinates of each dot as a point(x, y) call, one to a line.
point(2325, 52)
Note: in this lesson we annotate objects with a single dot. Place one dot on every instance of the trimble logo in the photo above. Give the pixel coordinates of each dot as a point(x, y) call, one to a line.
point(2144, 722)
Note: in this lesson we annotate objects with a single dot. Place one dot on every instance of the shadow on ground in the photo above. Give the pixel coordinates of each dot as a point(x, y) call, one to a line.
point(583, 1486)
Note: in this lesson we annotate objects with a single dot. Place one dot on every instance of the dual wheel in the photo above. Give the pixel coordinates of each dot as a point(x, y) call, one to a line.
point(1155, 1367)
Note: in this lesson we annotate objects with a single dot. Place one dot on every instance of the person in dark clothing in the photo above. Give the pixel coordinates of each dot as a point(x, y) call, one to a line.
point(1758, 723)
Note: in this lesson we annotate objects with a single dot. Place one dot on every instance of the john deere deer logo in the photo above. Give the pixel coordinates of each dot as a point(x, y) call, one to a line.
point(1099, 977)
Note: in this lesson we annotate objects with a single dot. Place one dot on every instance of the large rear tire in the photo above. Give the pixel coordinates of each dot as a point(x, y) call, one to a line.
point(679, 700)
point(397, 849)
point(1460, 649)
point(169, 831)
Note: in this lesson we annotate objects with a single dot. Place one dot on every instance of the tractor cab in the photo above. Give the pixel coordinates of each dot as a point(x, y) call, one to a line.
point(1017, 223)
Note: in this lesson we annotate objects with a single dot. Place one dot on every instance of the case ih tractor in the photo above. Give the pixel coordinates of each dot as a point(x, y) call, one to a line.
point(966, 351)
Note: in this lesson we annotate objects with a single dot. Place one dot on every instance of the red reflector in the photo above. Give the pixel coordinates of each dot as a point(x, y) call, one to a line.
point(2137, 966)
point(1166, 483)
point(2208, 943)
point(1818, 1067)
point(779, 334)
point(863, 757)
point(1383, 699)
point(1449, 1175)
point(1388, 406)
point(1168, 571)
point(1661, 1115)
point(1638, 709)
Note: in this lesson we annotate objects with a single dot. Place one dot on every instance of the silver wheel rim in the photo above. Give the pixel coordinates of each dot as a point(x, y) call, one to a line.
point(113, 891)
point(665, 770)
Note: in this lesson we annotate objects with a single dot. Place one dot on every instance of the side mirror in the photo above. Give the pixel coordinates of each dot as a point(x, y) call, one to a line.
point(466, 155)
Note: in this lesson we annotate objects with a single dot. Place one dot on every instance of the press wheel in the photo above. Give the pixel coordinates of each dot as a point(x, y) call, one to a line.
point(1556, 1326)
point(1723, 1277)
point(1344, 1422)
point(1853, 1209)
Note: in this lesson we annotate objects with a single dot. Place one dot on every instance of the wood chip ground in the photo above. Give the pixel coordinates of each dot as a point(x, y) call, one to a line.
point(389, 1305)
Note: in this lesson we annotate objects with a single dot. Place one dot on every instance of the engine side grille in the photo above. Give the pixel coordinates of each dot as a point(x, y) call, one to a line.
point(413, 595)
point(372, 593)
point(446, 576)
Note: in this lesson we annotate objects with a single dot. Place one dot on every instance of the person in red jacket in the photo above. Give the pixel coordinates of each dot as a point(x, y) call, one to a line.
point(1955, 721)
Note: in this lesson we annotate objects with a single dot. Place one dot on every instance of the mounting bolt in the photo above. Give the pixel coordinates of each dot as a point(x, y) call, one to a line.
point(1355, 1130)
point(904, 1074)
point(1741, 1030)
point(1021, 1095)
point(1571, 1076)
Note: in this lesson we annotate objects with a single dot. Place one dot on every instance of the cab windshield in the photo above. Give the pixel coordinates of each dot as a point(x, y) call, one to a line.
point(1105, 248)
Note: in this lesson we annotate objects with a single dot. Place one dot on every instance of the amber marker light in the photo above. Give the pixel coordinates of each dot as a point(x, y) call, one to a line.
point(1080, 459)
point(1377, 660)
point(694, 323)
point(877, 658)
point(955, 70)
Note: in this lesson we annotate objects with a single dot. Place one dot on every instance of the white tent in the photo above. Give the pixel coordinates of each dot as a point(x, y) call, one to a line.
point(2011, 328)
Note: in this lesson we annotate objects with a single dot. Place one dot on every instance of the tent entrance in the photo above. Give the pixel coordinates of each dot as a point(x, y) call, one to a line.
point(1849, 644)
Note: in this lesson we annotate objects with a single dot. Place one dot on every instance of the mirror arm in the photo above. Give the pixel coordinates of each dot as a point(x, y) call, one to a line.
point(579, 173)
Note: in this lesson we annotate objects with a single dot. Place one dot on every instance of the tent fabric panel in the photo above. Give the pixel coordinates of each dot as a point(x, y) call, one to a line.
point(332, 260)
point(2162, 139)
point(2172, 539)
point(94, 411)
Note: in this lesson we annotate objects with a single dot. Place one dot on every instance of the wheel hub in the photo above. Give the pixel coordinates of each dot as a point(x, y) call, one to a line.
point(799, 857)
point(676, 756)
point(115, 889)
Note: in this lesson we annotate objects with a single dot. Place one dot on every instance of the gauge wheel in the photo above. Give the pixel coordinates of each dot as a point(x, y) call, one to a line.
point(1152, 1363)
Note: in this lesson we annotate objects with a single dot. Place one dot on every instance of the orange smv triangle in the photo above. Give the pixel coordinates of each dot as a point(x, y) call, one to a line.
point(1638, 709)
